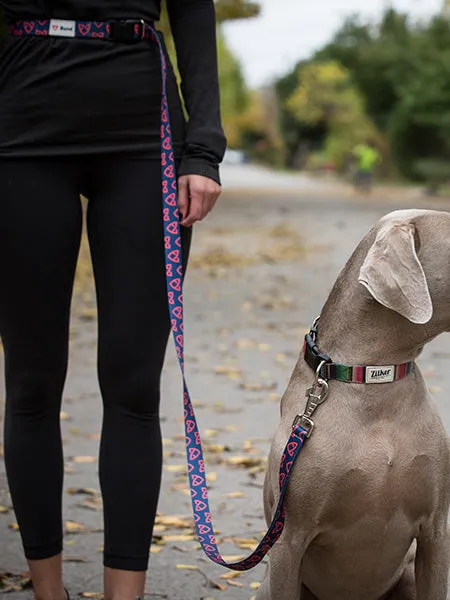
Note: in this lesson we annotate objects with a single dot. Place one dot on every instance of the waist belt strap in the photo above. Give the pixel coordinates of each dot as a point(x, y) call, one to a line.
point(126, 31)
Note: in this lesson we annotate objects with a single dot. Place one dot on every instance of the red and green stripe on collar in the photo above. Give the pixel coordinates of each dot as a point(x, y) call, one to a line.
point(350, 373)
point(365, 374)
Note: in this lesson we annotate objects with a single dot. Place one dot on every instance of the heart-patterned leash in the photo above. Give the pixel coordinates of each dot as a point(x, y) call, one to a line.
point(134, 31)
point(195, 460)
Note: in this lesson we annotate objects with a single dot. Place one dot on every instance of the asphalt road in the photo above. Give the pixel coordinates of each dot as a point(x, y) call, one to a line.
point(262, 266)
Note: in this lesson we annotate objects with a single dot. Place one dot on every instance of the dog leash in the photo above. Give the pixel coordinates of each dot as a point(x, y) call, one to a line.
point(133, 31)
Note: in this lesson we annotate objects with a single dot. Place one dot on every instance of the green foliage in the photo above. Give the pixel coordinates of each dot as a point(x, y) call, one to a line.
point(400, 71)
point(231, 10)
point(326, 96)
point(233, 92)
point(235, 98)
point(299, 137)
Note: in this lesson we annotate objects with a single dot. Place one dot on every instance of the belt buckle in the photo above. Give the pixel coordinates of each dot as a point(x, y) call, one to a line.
point(125, 30)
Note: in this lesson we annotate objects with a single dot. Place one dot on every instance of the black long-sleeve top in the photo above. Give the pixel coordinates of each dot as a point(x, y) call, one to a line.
point(62, 96)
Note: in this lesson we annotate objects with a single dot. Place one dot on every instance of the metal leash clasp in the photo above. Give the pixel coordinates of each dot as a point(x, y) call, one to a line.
point(316, 394)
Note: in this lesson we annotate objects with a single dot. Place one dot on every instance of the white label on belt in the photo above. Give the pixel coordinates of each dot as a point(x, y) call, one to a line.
point(380, 374)
point(62, 28)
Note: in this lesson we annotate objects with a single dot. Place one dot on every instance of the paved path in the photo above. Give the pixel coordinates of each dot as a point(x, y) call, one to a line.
point(262, 267)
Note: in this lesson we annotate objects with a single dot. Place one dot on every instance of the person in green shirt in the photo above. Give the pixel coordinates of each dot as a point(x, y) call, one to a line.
point(367, 158)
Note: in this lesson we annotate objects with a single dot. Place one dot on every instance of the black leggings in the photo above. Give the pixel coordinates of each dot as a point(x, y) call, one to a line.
point(40, 230)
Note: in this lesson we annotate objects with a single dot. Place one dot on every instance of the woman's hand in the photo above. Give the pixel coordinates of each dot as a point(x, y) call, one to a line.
point(196, 197)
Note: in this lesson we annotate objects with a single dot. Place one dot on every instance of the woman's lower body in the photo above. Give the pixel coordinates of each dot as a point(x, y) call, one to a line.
point(40, 232)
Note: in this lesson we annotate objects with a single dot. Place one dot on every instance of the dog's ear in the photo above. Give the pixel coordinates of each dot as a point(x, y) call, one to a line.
point(394, 276)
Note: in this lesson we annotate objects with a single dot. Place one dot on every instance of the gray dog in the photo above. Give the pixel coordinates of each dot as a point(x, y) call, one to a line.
point(368, 498)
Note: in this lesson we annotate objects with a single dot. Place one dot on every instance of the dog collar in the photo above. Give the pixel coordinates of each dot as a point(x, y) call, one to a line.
point(349, 373)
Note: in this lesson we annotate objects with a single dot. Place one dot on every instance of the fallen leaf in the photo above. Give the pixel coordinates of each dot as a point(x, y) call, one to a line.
point(231, 372)
point(211, 477)
point(211, 432)
point(155, 549)
point(75, 559)
point(74, 431)
point(235, 495)
point(209, 582)
point(435, 389)
point(188, 567)
point(64, 416)
point(232, 557)
point(84, 459)
point(92, 595)
point(13, 526)
point(74, 527)
point(231, 428)
point(87, 491)
point(236, 584)
point(245, 544)
point(264, 347)
point(174, 522)
point(3, 509)
point(92, 504)
point(231, 575)
point(255, 585)
point(217, 585)
point(88, 314)
point(14, 582)
point(246, 461)
point(257, 387)
point(215, 448)
point(176, 468)
point(244, 344)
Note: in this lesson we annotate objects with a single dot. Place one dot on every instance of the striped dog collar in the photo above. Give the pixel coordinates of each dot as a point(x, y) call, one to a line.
point(349, 373)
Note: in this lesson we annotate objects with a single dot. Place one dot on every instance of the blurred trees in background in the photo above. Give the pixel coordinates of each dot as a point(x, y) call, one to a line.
point(249, 118)
point(325, 97)
point(400, 73)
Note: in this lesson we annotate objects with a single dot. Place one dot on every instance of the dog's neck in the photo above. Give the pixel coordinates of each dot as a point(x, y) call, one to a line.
point(354, 329)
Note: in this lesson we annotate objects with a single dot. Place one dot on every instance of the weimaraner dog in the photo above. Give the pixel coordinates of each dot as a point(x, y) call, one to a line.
point(368, 497)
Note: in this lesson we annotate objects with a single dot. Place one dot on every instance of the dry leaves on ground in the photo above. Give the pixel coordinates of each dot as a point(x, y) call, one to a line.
point(209, 582)
point(14, 582)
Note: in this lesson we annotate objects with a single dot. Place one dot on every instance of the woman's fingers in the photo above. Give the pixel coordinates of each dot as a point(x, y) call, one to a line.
point(183, 197)
point(197, 196)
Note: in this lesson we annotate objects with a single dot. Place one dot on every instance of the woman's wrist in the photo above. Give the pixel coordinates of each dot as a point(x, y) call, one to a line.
point(193, 165)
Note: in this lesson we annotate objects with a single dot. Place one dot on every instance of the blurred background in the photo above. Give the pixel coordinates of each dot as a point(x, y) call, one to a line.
point(302, 86)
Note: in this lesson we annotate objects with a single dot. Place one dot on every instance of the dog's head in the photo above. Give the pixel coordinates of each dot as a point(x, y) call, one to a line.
point(407, 267)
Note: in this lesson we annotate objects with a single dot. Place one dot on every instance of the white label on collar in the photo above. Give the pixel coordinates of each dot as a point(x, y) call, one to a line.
point(380, 374)
point(62, 28)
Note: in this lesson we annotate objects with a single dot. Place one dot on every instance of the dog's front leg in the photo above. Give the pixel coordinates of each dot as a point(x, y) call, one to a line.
point(282, 579)
point(432, 561)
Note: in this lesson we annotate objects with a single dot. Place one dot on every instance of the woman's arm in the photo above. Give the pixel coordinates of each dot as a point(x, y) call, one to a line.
point(193, 24)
